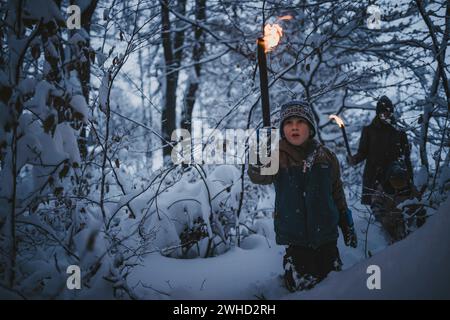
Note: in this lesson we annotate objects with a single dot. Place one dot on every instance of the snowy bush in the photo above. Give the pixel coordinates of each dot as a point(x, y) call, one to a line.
point(196, 216)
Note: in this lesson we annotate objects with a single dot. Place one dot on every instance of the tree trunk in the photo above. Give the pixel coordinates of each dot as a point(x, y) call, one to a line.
point(197, 54)
point(84, 73)
point(172, 56)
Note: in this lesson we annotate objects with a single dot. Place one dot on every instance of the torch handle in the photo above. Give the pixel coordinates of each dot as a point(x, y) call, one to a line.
point(346, 141)
point(263, 83)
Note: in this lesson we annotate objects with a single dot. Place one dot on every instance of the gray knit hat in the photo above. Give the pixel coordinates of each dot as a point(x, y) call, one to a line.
point(299, 109)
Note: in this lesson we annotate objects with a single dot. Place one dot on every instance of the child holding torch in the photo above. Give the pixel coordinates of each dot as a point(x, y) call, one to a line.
point(310, 202)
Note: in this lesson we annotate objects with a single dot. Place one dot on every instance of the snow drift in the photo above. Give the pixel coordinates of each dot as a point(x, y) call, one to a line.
point(417, 267)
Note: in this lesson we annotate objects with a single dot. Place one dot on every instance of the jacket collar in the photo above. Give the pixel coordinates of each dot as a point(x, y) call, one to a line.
point(378, 123)
point(298, 153)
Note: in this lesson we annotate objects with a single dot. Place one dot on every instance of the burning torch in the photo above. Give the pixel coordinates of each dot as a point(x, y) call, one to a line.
point(272, 35)
point(344, 134)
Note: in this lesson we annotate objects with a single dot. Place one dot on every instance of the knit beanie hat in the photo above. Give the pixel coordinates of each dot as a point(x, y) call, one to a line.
point(299, 109)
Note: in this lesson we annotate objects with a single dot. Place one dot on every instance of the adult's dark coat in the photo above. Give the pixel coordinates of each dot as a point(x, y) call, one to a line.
point(381, 144)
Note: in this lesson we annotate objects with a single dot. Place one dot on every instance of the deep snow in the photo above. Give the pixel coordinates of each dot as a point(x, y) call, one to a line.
point(417, 267)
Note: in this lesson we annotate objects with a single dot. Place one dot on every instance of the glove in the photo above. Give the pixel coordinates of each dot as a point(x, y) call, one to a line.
point(350, 238)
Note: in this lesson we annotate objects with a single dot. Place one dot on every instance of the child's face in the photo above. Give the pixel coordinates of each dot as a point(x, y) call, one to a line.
point(296, 130)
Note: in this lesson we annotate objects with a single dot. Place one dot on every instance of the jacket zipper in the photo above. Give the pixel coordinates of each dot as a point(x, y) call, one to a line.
point(306, 217)
point(307, 174)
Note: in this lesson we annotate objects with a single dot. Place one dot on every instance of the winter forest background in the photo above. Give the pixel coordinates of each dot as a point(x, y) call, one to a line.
point(86, 117)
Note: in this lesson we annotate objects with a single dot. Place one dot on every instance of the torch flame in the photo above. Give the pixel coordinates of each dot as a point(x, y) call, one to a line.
point(272, 35)
point(286, 17)
point(338, 120)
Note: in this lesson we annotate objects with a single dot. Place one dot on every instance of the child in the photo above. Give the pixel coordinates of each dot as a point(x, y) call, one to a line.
point(309, 202)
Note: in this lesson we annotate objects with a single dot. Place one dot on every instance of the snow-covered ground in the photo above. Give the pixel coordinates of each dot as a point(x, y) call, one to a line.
point(251, 271)
point(417, 267)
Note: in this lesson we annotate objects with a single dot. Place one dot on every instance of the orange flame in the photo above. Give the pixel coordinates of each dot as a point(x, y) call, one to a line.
point(337, 119)
point(286, 17)
point(272, 35)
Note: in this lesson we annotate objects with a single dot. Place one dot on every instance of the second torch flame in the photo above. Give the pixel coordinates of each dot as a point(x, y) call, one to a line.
point(338, 120)
point(344, 134)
